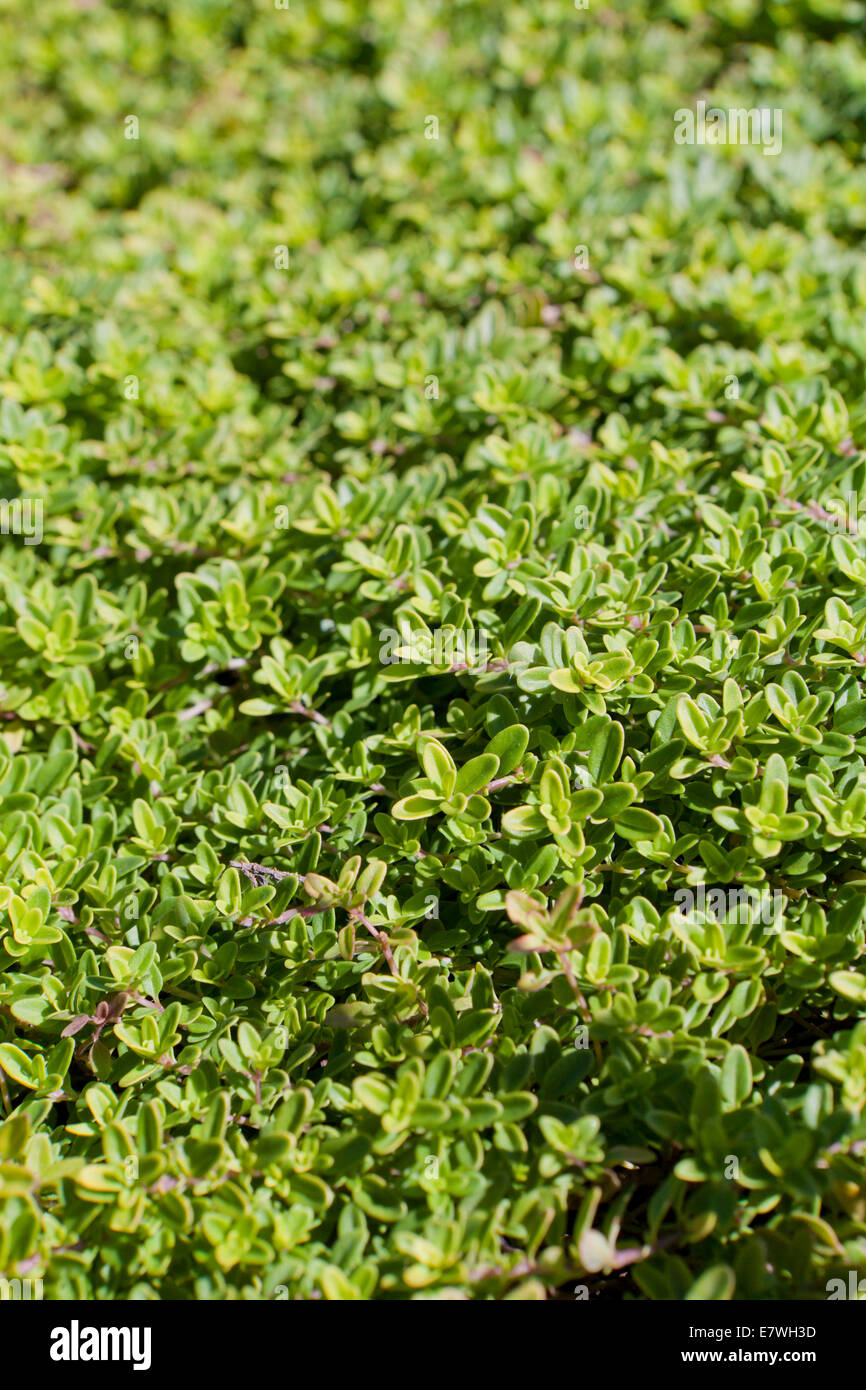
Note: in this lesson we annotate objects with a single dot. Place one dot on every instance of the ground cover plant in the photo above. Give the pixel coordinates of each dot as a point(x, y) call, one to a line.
point(432, 639)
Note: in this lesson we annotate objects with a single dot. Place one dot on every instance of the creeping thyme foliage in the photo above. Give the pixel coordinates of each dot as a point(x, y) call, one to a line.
point(432, 639)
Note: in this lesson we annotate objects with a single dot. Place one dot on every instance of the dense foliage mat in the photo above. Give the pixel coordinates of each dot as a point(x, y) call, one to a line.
point(432, 632)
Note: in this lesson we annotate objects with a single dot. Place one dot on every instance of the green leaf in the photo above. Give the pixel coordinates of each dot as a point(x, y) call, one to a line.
point(716, 1284)
point(416, 807)
point(18, 1066)
point(474, 775)
point(439, 767)
point(736, 1079)
point(508, 747)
